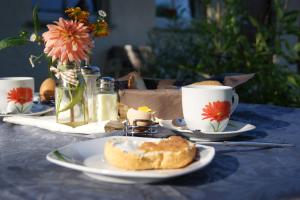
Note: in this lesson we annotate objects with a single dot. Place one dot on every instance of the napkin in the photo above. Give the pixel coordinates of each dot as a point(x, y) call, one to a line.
point(235, 80)
point(165, 102)
point(49, 123)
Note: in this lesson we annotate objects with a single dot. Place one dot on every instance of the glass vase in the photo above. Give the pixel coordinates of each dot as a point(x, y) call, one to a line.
point(70, 100)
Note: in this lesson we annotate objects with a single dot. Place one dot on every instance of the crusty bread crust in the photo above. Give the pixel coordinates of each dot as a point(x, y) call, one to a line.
point(208, 83)
point(170, 153)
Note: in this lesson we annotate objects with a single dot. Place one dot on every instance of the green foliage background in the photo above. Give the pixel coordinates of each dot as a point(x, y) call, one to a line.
point(235, 42)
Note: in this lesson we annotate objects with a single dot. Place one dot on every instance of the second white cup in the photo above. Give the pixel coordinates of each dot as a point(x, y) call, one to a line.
point(208, 108)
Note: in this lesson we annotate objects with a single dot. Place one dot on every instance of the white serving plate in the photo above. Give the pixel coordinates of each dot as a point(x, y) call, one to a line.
point(233, 129)
point(88, 157)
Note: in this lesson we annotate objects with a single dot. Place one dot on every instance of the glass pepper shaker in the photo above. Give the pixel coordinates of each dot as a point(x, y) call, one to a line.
point(91, 74)
point(107, 100)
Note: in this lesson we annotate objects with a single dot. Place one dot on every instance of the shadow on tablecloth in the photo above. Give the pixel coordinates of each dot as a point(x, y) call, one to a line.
point(221, 167)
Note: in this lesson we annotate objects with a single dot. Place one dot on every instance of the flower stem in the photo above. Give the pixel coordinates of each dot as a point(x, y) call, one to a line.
point(213, 127)
point(72, 107)
point(218, 126)
point(72, 115)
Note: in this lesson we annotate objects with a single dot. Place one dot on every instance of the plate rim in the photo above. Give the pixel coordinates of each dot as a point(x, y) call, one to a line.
point(48, 109)
point(129, 173)
point(252, 127)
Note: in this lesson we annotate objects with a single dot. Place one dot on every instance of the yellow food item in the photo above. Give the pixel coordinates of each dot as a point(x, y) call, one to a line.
point(47, 89)
point(144, 109)
point(171, 153)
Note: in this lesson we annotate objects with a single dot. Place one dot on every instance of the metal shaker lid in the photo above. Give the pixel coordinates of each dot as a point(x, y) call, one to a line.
point(107, 83)
point(90, 70)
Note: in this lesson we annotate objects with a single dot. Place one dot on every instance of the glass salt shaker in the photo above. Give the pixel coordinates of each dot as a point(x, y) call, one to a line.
point(107, 100)
point(91, 75)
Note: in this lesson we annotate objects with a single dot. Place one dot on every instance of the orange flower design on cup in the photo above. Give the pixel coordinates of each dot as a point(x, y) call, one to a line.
point(216, 111)
point(20, 96)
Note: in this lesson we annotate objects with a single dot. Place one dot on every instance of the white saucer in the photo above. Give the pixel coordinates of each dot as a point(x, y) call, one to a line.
point(88, 157)
point(233, 129)
point(37, 109)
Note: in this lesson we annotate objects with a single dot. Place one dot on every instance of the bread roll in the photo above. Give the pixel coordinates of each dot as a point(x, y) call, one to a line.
point(208, 83)
point(171, 153)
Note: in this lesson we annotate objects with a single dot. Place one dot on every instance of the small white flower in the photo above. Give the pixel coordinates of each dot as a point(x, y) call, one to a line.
point(102, 13)
point(31, 60)
point(33, 37)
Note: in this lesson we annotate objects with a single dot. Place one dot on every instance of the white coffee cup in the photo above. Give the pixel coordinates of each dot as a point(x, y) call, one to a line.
point(208, 108)
point(16, 94)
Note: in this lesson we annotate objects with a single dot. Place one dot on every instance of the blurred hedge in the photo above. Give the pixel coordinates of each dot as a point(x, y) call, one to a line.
point(233, 41)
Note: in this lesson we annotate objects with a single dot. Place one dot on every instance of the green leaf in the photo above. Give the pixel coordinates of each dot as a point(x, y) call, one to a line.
point(35, 19)
point(12, 42)
point(254, 22)
point(278, 9)
point(291, 16)
point(59, 156)
point(62, 157)
point(297, 47)
point(23, 34)
point(292, 79)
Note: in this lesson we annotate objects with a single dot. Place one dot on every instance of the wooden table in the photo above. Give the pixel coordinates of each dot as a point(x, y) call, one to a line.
point(235, 173)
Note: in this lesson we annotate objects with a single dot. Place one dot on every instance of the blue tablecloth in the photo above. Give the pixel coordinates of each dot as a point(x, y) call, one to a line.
point(235, 173)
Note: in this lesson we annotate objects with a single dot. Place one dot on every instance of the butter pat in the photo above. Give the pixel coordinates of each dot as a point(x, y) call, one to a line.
point(107, 108)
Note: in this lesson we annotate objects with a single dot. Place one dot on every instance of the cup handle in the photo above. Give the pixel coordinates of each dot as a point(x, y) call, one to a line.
point(235, 102)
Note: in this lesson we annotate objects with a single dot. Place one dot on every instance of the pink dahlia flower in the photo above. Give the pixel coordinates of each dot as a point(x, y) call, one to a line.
point(67, 41)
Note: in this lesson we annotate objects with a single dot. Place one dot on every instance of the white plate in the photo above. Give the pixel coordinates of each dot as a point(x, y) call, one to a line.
point(233, 129)
point(37, 109)
point(88, 157)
